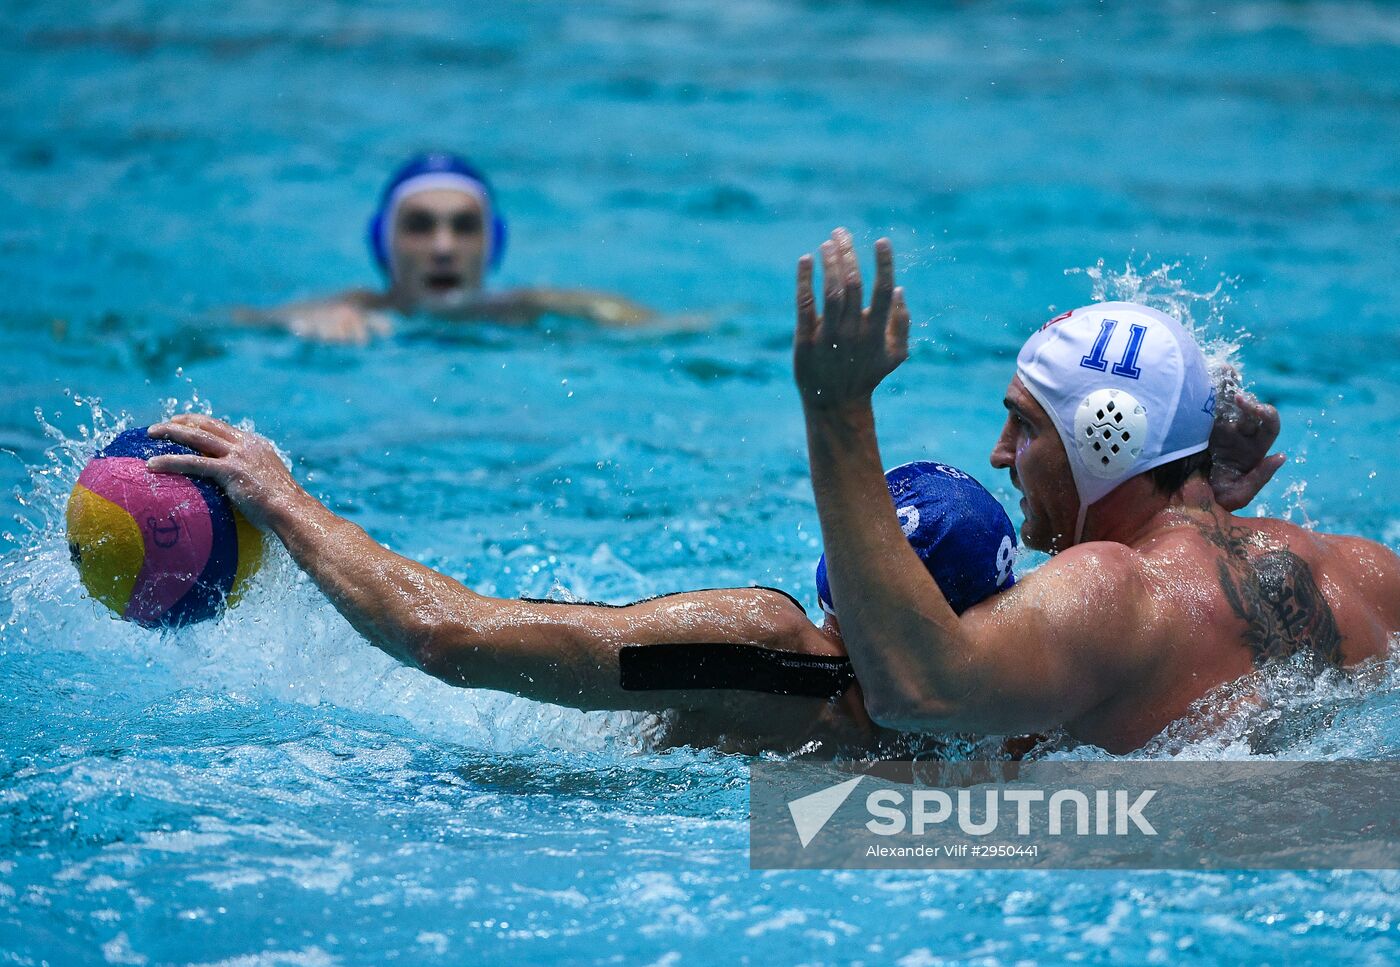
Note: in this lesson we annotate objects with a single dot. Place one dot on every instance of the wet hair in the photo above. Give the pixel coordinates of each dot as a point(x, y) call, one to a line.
point(1170, 477)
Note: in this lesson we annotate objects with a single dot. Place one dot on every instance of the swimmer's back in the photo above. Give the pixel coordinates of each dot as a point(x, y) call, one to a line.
point(1360, 579)
point(1228, 594)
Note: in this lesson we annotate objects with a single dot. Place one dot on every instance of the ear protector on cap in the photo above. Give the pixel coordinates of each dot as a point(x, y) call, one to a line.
point(1110, 427)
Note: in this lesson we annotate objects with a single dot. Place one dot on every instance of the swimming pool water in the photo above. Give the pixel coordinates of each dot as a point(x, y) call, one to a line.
point(270, 789)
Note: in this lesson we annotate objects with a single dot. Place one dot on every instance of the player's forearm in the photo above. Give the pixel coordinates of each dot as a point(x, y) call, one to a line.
point(521, 306)
point(901, 634)
point(424, 618)
point(566, 654)
point(395, 603)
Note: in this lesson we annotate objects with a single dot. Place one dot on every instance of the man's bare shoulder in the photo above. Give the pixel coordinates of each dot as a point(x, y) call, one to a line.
point(1069, 636)
point(1094, 567)
point(1371, 558)
point(1369, 567)
point(1092, 594)
point(1296, 587)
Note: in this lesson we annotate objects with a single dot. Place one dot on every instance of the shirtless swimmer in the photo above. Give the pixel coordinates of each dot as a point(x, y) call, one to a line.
point(437, 232)
point(1156, 593)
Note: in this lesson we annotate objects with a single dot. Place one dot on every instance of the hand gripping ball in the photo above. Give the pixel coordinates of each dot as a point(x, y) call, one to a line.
point(162, 550)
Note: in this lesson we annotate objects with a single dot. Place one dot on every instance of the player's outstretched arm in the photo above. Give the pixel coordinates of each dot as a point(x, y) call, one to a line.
point(567, 654)
point(527, 305)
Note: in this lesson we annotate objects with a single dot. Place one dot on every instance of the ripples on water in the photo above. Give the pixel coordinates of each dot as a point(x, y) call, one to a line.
point(203, 789)
point(270, 787)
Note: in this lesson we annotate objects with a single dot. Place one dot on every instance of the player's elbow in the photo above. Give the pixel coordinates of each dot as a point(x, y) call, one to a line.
point(781, 624)
point(921, 713)
point(917, 696)
point(909, 710)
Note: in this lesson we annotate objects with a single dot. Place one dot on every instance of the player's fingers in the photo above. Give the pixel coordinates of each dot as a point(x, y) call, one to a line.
point(806, 301)
point(833, 293)
point(208, 424)
point(1268, 420)
point(1251, 484)
point(194, 466)
point(1269, 466)
point(897, 332)
point(196, 438)
point(853, 288)
point(1255, 418)
point(881, 296)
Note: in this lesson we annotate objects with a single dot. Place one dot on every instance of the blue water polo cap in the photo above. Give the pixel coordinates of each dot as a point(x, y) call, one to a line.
point(957, 528)
point(425, 172)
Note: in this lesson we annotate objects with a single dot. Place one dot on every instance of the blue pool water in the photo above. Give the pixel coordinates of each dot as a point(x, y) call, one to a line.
point(270, 789)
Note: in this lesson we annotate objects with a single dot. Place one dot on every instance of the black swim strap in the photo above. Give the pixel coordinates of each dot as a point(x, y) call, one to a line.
point(750, 668)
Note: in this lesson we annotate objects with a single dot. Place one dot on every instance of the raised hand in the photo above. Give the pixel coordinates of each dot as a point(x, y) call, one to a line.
point(841, 355)
point(1244, 430)
point(245, 465)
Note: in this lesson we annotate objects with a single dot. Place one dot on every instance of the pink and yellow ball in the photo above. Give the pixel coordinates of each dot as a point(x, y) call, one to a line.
point(162, 550)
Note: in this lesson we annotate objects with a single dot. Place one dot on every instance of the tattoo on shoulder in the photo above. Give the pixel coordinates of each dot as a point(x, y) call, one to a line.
point(1273, 592)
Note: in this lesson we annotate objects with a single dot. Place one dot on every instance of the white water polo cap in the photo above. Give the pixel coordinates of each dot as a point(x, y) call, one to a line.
point(1127, 388)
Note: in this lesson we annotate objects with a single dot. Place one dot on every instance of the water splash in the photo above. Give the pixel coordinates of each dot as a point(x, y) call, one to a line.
point(283, 642)
point(1160, 288)
point(53, 477)
point(1292, 710)
point(1202, 313)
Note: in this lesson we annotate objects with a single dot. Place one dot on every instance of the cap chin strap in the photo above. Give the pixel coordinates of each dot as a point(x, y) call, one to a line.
point(1079, 524)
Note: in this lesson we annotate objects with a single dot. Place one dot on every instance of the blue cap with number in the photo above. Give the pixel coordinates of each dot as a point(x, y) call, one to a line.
point(957, 528)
